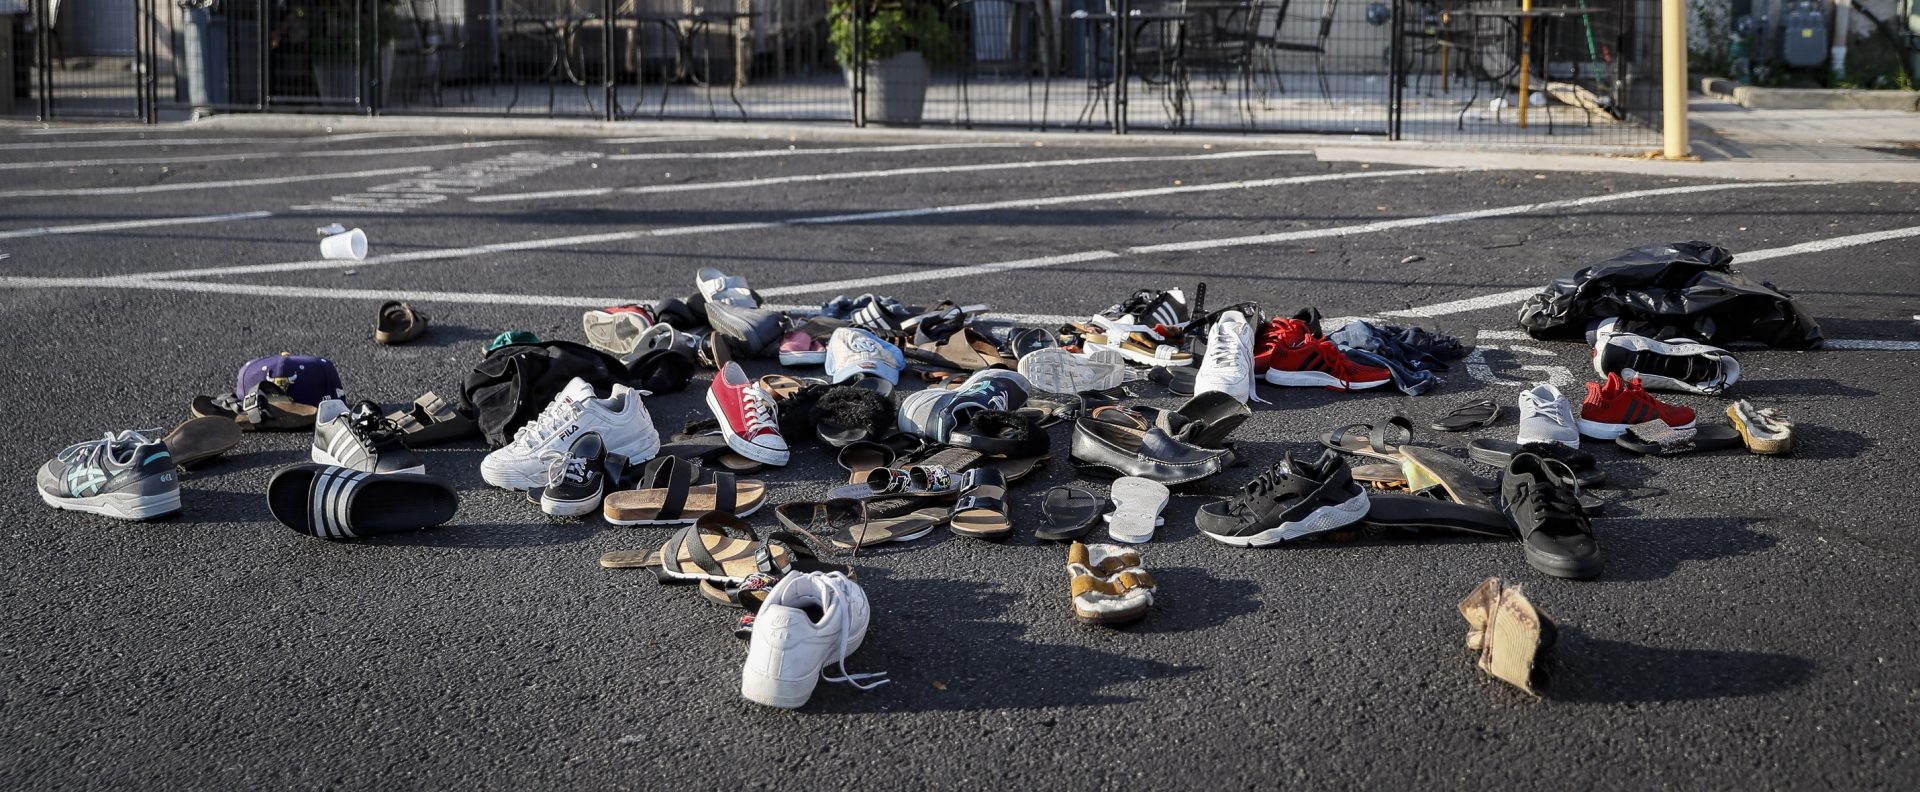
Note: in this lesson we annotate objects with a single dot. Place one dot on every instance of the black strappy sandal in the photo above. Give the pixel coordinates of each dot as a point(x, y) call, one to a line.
point(1068, 512)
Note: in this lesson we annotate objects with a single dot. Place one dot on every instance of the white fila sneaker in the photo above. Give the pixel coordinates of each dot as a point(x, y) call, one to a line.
point(622, 421)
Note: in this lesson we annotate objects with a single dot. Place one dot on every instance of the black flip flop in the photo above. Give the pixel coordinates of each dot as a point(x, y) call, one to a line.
point(1490, 451)
point(1178, 380)
point(1395, 510)
point(1652, 441)
point(199, 439)
point(1068, 513)
point(340, 503)
point(1469, 416)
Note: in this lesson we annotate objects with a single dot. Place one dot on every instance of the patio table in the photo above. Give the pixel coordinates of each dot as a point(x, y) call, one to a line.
point(1522, 19)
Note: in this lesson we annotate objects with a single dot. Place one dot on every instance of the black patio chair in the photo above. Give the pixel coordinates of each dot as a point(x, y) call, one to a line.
point(979, 22)
point(1272, 45)
point(1221, 44)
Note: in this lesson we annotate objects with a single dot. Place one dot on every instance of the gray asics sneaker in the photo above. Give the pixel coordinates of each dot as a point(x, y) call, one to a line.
point(756, 329)
point(128, 476)
point(1546, 417)
point(360, 439)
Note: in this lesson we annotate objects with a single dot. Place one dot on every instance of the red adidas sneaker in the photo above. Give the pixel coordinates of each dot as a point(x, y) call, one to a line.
point(747, 417)
point(1613, 406)
point(1291, 354)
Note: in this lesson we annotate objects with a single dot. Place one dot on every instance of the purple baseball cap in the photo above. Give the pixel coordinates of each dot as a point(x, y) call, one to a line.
point(308, 379)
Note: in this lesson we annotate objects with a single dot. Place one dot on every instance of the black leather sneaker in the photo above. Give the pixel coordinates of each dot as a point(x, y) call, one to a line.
point(1291, 500)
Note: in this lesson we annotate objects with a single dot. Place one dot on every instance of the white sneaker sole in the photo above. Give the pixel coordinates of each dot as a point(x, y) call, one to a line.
point(790, 693)
point(1144, 358)
point(603, 332)
point(579, 508)
point(1316, 379)
point(1325, 518)
point(1069, 373)
point(119, 505)
point(1607, 431)
point(740, 445)
point(1137, 503)
point(320, 456)
point(803, 358)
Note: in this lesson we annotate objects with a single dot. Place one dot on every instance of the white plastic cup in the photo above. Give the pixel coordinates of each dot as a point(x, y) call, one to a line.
point(351, 246)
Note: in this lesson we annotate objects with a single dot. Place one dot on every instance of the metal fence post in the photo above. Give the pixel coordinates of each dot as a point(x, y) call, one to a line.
point(607, 30)
point(43, 62)
point(1122, 46)
point(858, 61)
point(1396, 71)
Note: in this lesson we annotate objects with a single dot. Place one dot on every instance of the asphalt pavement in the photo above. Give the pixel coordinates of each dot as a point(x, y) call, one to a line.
point(1753, 627)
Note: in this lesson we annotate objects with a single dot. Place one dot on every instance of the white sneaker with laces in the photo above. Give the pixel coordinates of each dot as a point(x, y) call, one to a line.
point(810, 621)
point(1228, 366)
point(1547, 417)
point(622, 421)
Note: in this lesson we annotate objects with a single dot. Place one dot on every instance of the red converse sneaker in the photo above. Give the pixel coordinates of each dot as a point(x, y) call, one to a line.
point(1612, 407)
point(1292, 354)
point(746, 417)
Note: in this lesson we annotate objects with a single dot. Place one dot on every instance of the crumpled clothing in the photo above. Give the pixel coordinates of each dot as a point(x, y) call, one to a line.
point(1416, 348)
point(1409, 381)
point(1680, 289)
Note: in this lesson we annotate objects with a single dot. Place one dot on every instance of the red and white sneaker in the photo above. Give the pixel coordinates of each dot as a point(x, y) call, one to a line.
point(617, 329)
point(1617, 404)
point(1293, 355)
point(747, 417)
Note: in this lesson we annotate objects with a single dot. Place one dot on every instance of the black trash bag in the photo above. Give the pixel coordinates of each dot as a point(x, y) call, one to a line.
point(514, 383)
point(1682, 289)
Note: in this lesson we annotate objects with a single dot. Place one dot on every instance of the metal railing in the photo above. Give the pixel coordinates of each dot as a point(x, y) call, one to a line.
point(1427, 69)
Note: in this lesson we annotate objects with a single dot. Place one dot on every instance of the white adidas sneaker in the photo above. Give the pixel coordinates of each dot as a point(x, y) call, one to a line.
point(622, 421)
point(1228, 366)
point(790, 647)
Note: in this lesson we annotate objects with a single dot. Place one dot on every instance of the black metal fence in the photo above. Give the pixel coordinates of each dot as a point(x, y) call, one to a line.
point(1425, 69)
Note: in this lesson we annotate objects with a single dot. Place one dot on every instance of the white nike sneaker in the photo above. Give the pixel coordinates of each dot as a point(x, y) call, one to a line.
point(1228, 366)
point(790, 648)
point(622, 421)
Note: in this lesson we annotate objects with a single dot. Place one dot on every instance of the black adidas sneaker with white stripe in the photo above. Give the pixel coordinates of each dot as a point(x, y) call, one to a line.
point(360, 439)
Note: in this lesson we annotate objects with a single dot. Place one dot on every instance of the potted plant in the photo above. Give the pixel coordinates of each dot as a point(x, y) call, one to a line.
point(900, 40)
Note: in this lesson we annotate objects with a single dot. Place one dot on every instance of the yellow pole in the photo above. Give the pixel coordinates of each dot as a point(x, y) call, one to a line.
point(1526, 54)
point(1673, 83)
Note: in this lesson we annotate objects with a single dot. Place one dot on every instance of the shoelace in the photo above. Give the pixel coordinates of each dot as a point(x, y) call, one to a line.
point(1226, 350)
point(1246, 504)
point(836, 584)
point(1555, 506)
point(1547, 410)
point(374, 428)
point(551, 420)
point(565, 468)
point(760, 411)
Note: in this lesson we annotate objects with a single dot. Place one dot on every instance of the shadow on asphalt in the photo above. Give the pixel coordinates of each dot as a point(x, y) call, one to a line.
point(989, 664)
point(1763, 390)
point(1651, 549)
point(1598, 671)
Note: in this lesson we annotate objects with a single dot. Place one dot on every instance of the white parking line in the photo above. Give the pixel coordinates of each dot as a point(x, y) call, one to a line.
point(126, 224)
point(860, 217)
point(1285, 236)
point(206, 185)
point(798, 152)
point(261, 155)
point(681, 139)
point(69, 144)
point(1506, 298)
point(870, 174)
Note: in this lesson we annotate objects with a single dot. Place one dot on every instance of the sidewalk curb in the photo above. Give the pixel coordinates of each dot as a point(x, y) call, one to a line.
point(840, 131)
point(1759, 98)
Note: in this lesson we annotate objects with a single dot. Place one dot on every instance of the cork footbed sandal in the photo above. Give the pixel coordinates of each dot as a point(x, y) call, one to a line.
point(672, 497)
point(1108, 584)
point(981, 511)
point(722, 549)
point(1765, 431)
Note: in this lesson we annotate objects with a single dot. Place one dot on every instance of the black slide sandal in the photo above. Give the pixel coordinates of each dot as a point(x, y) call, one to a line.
point(1470, 416)
point(1661, 440)
point(340, 503)
point(1371, 440)
point(1068, 512)
point(1498, 453)
point(1395, 510)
